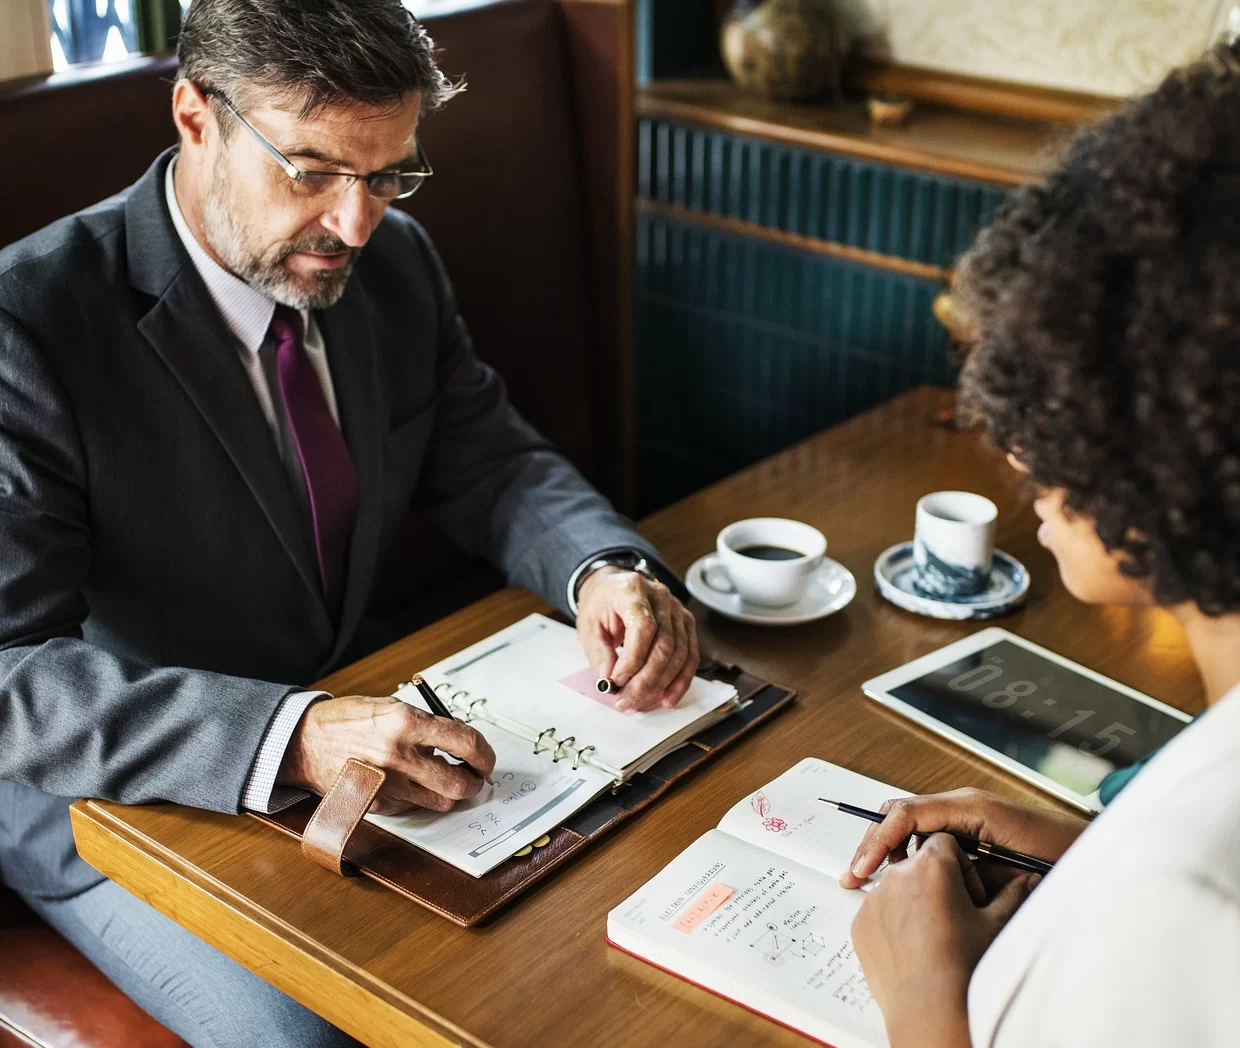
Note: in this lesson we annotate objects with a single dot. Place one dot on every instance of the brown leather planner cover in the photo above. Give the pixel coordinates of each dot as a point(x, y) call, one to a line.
point(466, 900)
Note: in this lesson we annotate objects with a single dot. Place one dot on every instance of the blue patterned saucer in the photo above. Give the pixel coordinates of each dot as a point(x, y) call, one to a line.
point(896, 578)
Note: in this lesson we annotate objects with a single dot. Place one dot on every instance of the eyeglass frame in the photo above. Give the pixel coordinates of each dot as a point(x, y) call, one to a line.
point(297, 174)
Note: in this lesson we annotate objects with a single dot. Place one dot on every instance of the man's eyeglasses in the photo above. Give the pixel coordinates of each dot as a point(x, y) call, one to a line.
point(382, 185)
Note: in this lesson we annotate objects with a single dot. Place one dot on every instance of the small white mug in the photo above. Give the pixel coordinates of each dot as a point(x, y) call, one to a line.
point(766, 560)
point(954, 543)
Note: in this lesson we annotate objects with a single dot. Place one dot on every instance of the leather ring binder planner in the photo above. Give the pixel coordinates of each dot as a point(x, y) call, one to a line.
point(382, 849)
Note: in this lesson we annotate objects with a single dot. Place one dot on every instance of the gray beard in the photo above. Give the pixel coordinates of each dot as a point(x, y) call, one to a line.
point(265, 269)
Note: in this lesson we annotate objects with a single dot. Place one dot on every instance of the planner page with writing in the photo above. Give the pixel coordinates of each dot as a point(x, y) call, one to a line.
point(786, 817)
point(531, 796)
point(770, 934)
point(535, 674)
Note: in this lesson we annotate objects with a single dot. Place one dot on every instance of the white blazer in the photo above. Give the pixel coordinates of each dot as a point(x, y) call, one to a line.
point(1133, 939)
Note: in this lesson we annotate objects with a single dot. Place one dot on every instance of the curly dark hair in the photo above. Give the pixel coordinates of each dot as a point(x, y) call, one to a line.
point(1106, 301)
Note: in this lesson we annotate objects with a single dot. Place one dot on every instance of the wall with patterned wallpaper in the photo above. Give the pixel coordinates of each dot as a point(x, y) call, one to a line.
point(1107, 47)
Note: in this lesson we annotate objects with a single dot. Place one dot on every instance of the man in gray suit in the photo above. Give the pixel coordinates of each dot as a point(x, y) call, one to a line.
point(220, 391)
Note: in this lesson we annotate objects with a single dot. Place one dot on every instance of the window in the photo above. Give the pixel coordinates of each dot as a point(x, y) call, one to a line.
point(91, 31)
point(109, 30)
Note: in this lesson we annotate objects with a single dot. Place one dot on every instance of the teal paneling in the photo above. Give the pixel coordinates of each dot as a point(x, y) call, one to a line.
point(878, 207)
point(745, 347)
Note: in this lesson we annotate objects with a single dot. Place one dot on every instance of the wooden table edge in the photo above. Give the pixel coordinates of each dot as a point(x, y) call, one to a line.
point(257, 939)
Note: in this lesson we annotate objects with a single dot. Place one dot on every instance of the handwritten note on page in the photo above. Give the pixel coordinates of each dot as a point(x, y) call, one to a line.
point(531, 795)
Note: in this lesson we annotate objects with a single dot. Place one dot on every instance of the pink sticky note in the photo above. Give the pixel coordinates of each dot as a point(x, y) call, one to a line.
point(584, 682)
point(711, 899)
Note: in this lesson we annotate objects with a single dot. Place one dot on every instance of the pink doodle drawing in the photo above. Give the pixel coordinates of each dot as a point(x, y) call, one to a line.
point(759, 803)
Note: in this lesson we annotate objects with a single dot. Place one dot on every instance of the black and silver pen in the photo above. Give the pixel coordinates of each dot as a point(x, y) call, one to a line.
point(432, 700)
point(440, 709)
point(971, 845)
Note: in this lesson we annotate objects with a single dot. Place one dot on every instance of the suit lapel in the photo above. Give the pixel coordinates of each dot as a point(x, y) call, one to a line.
point(352, 355)
point(190, 336)
point(193, 342)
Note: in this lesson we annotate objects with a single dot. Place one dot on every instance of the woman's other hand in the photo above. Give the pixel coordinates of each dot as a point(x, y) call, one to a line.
point(919, 935)
point(976, 813)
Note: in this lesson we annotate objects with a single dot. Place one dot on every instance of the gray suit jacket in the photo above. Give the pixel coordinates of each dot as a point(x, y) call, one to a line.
point(159, 594)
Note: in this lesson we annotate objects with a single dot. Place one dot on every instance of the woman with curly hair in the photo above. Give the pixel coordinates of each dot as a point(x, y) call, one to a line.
point(1106, 301)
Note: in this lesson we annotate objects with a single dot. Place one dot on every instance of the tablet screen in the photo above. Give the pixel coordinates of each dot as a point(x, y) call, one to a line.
point(1069, 727)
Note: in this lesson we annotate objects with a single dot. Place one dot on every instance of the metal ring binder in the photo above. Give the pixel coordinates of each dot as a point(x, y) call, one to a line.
point(464, 706)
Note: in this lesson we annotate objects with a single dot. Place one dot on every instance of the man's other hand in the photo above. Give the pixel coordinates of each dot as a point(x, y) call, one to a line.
point(394, 736)
point(638, 634)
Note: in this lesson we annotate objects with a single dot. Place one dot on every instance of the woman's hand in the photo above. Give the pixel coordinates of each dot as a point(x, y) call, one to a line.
point(976, 813)
point(919, 935)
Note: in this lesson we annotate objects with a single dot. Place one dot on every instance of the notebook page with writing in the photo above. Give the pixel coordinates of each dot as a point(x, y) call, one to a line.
point(769, 934)
point(786, 817)
point(530, 797)
point(520, 672)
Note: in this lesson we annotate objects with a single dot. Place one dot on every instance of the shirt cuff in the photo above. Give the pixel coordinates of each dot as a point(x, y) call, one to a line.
point(261, 793)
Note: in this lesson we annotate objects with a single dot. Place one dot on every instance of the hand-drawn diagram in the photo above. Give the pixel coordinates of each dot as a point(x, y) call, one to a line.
point(811, 946)
point(772, 943)
point(777, 945)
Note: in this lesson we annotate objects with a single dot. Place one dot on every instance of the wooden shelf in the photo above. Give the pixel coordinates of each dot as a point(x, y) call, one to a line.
point(1023, 101)
point(988, 147)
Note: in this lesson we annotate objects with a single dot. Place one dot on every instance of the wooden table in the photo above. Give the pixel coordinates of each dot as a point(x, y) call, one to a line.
point(540, 973)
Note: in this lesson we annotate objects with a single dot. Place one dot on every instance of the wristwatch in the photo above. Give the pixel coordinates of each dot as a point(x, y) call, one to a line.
point(632, 560)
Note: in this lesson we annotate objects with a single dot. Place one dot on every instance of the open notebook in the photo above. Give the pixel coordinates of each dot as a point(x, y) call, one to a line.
point(558, 743)
point(753, 911)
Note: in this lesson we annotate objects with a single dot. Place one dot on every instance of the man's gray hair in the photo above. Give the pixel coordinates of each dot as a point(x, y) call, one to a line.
point(317, 52)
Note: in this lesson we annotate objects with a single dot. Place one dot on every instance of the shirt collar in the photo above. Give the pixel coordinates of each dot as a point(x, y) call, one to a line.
point(245, 309)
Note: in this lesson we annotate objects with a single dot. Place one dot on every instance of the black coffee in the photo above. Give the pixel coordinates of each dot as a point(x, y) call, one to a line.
point(770, 552)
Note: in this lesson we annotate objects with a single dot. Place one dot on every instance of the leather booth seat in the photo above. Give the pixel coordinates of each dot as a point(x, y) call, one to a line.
point(527, 208)
point(50, 995)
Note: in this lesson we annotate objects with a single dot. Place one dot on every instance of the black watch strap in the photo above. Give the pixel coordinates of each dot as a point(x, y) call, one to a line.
point(647, 567)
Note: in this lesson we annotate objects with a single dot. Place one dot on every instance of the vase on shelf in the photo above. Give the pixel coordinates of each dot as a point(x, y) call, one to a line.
point(785, 49)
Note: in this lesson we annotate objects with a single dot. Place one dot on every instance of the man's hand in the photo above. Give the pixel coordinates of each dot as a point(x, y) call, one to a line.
point(975, 813)
point(635, 632)
point(919, 935)
point(391, 735)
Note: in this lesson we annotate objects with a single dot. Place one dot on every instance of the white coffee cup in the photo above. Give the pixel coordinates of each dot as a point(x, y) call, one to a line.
point(954, 543)
point(766, 560)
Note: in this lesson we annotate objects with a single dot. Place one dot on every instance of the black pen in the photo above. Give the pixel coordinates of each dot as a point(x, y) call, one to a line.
point(432, 700)
point(439, 709)
point(971, 845)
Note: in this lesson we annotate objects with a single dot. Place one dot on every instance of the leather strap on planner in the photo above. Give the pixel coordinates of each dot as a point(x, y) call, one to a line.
point(338, 814)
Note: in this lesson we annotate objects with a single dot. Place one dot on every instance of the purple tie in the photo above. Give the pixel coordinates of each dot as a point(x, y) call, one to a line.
point(326, 468)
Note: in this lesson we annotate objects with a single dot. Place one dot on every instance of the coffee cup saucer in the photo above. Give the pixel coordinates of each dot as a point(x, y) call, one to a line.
point(830, 588)
point(895, 574)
